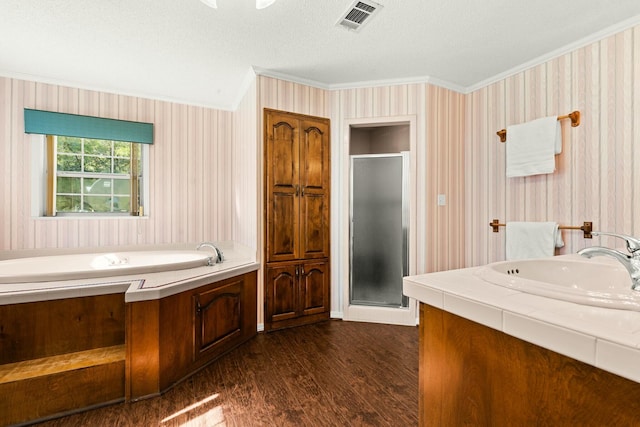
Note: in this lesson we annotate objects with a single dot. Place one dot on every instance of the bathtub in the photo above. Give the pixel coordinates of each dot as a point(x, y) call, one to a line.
point(85, 266)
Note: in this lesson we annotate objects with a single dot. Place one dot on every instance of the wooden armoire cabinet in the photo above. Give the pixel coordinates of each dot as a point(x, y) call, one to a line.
point(297, 191)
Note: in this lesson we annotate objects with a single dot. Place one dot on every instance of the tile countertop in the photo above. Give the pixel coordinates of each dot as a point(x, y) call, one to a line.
point(137, 287)
point(606, 338)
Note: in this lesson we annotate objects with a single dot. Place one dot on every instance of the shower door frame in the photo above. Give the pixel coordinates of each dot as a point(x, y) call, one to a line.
point(404, 183)
point(377, 314)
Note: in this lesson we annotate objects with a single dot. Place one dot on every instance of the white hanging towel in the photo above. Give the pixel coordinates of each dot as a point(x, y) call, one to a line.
point(532, 240)
point(532, 146)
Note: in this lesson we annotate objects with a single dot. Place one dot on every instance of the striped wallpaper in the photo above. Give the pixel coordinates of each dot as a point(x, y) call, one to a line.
point(598, 172)
point(191, 190)
point(206, 164)
point(439, 162)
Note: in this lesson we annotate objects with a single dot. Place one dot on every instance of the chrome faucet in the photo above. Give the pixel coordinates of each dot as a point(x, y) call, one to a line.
point(630, 262)
point(219, 257)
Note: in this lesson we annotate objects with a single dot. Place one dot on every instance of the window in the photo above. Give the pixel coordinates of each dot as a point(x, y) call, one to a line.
point(93, 176)
point(84, 165)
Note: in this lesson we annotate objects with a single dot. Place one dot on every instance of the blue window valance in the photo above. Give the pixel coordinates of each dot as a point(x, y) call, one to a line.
point(62, 124)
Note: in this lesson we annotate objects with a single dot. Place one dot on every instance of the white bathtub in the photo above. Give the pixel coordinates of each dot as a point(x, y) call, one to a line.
point(84, 266)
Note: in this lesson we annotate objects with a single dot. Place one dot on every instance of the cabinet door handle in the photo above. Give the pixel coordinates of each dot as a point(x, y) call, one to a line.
point(297, 190)
point(297, 271)
point(302, 191)
point(302, 270)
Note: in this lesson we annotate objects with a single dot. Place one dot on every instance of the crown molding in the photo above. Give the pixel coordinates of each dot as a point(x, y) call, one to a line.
point(257, 71)
point(361, 84)
point(592, 38)
point(290, 78)
point(98, 88)
point(248, 80)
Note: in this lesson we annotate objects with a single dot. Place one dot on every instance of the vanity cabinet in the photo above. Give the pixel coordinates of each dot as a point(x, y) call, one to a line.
point(471, 374)
point(297, 191)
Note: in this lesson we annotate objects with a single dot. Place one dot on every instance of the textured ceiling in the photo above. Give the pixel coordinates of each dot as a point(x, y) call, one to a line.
point(184, 51)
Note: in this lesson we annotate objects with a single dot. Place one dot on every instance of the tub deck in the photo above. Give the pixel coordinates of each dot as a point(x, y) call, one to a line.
point(136, 286)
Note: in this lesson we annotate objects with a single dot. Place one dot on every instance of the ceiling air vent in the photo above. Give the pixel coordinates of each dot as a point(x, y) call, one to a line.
point(358, 14)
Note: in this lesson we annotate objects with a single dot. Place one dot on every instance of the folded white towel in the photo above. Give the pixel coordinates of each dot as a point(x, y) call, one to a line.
point(532, 240)
point(531, 147)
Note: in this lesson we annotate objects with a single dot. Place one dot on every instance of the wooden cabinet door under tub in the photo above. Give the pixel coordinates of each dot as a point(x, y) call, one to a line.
point(217, 314)
point(171, 338)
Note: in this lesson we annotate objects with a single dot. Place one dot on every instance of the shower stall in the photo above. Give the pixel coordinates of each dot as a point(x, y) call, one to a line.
point(379, 230)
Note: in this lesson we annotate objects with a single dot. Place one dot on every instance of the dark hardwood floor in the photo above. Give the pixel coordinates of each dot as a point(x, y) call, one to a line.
point(333, 373)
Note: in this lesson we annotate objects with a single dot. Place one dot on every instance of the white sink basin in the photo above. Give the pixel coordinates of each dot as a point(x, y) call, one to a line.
point(602, 282)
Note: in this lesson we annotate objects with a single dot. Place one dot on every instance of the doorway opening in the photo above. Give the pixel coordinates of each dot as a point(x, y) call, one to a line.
point(379, 223)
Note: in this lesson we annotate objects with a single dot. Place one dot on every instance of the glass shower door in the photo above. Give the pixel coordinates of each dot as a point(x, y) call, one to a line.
point(379, 230)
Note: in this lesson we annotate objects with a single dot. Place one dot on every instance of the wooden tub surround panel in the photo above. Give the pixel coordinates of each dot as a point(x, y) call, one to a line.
point(474, 375)
point(58, 356)
point(63, 356)
point(143, 336)
point(48, 328)
point(61, 392)
point(170, 339)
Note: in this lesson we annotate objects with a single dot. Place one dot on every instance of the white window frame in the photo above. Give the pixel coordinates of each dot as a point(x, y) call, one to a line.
point(40, 191)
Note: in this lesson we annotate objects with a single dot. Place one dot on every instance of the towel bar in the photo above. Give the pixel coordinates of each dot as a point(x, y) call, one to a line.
point(586, 227)
point(574, 116)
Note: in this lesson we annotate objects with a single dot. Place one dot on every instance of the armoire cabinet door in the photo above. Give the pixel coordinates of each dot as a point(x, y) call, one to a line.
point(283, 187)
point(281, 293)
point(295, 290)
point(314, 183)
point(298, 170)
point(314, 287)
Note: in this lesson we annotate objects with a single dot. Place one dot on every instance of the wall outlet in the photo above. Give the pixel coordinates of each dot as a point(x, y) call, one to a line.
point(442, 200)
